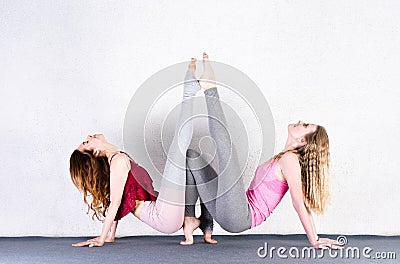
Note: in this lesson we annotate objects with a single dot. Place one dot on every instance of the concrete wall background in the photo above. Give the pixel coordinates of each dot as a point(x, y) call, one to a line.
point(69, 68)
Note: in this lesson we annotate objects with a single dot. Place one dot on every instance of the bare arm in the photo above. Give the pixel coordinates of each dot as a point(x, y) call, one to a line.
point(118, 175)
point(292, 172)
point(110, 236)
point(113, 230)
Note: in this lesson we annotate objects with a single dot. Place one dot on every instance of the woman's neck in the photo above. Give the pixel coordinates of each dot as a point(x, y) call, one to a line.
point(288, 146)
point(108, 149)
point(291, 144)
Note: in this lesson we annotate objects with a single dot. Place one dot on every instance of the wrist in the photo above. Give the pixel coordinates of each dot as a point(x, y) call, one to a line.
point(102, 238)
point(110, 236)
point(315, 240)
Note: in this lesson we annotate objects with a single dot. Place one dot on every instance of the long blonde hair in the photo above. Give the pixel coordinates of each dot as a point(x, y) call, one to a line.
point(91, 175)
point(314, 162)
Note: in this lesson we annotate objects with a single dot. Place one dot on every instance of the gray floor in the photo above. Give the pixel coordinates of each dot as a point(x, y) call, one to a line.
point(166, 249)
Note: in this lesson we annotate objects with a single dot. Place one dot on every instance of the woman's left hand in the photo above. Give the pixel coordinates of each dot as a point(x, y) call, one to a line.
point(94, 242)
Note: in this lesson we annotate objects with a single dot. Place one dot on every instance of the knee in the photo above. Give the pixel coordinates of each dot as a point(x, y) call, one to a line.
point(191, 153)
point(233, 226)
point(234, 229)
point(171, 230)
point(172, 226)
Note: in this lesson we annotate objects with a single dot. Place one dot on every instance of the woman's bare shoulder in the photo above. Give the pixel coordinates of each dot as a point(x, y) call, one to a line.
point(120, 160)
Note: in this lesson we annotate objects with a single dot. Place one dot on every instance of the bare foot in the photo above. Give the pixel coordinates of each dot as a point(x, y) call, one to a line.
point(208, 239)
point(192, 65)
point(207, 79)
point(189, 225)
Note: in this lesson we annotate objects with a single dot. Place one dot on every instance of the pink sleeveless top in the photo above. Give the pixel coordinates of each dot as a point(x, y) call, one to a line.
point(265, 192)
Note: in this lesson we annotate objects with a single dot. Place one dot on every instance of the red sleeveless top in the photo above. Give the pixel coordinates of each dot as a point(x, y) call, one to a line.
point(138, 186)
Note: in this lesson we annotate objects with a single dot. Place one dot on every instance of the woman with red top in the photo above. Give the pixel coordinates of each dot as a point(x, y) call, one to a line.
point(118, 186)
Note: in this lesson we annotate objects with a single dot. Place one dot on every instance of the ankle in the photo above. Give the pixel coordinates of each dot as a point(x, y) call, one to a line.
point(190, 219)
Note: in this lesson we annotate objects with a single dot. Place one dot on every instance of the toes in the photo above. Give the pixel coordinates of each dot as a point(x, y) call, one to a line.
point(192, 65)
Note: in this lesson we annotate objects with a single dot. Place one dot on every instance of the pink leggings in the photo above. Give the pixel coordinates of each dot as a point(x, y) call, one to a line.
point(167, 212)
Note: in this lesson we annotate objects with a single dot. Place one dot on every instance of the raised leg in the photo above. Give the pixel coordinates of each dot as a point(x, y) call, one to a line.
point(167, 212)
point(232, 209)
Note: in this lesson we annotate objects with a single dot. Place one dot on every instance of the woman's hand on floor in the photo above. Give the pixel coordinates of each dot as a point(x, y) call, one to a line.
point(326, 243)
point(94, 242)
point(109, 239)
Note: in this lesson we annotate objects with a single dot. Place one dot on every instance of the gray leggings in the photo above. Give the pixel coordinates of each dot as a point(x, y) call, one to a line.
point(222, 192)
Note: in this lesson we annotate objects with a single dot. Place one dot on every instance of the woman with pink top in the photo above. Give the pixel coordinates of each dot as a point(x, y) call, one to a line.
point(302, 167)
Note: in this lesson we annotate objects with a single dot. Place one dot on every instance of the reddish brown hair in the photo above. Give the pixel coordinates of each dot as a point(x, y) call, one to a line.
point(91, 175)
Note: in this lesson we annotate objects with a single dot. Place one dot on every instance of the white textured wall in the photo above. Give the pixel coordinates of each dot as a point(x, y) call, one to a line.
point(69, 68)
